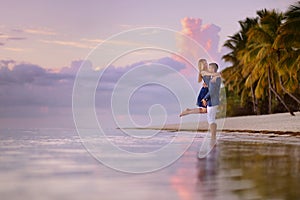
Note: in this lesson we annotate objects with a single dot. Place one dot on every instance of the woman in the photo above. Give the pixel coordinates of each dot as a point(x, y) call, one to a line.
point(206, 77)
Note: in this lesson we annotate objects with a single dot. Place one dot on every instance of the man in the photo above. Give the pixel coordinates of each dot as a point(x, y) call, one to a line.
point(211, 99)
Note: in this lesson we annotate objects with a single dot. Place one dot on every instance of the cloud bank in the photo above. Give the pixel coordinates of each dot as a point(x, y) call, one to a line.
point(29, 91)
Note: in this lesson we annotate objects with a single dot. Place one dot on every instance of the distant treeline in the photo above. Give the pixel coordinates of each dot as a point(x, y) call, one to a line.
point(264, 75)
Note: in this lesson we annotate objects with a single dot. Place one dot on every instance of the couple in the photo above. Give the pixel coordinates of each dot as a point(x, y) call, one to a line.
point(208, 99)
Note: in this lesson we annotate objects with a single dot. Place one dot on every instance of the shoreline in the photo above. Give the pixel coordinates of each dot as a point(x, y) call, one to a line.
point(280, 124)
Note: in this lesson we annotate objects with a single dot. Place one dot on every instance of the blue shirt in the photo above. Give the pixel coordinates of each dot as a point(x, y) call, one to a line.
point(213, 95)
point(206, 80)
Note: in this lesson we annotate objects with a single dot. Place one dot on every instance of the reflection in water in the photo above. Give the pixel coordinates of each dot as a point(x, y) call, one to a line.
point(207, 174)
point(250, 170)
point(274, 169)
point(52, 164)
point(208, 166)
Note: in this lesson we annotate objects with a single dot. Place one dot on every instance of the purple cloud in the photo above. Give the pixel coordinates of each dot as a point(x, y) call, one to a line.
point(6, 63)
point(113, 73)
point(72, 69)
point(24, 73)
point(31, 85)
point(24, 85)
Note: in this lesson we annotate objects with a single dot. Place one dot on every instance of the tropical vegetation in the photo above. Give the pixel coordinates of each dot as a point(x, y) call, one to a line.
point(264, 75)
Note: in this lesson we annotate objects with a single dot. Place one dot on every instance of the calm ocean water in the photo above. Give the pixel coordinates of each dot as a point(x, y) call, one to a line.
point(54, 164)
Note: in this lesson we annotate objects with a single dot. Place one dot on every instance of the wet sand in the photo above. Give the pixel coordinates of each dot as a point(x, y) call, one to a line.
point(282, 123)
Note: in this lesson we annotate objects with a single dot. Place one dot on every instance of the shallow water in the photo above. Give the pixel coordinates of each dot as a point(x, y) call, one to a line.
point(53, 164)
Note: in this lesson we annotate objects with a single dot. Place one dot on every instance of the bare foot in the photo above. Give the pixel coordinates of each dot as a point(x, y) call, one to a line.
point(185, 112)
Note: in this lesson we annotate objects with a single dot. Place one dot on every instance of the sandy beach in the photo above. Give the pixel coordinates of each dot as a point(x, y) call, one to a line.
point(281, 123)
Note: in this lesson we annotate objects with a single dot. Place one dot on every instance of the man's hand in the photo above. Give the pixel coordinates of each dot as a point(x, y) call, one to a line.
point(204, 102)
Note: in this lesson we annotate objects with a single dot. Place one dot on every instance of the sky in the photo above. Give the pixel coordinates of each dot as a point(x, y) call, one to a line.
point(43, 44)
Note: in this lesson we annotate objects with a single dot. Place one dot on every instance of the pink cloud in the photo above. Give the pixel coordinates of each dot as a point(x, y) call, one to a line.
point(207, 35)
point(191, 27)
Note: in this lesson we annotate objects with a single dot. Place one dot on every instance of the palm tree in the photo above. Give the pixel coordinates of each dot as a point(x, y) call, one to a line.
point(288, 40)
point(260, 57)
point(233, 74)
point(289, 32)
point(265, 57)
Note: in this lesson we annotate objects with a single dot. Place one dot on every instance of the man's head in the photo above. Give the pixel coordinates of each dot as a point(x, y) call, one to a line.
point(213, 67)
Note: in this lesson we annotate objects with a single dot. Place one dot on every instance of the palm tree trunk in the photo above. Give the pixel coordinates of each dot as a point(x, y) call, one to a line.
point(292, 96)
point(282, 101)
point(254, 100)
point(270, 93)
point(273, 80)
